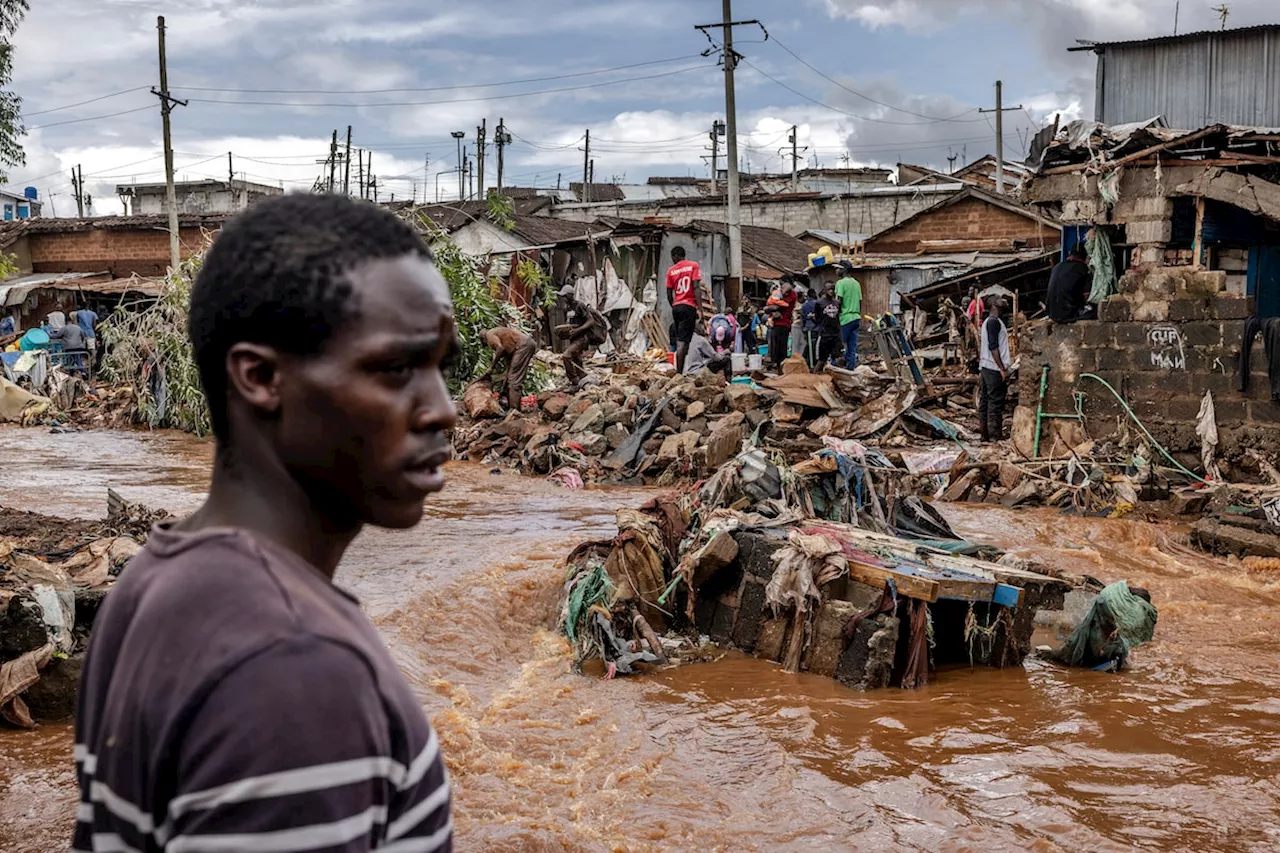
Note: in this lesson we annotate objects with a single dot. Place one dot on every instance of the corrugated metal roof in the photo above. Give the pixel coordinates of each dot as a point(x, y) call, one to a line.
point(835, 238)
point(1170, 39)
point(15, 290)
point(771, 247)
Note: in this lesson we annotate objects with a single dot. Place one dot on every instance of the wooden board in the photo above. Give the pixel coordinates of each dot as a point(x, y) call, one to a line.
point(907, 585)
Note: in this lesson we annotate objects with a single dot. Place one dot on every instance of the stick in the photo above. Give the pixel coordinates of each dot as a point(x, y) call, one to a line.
point(644, 629)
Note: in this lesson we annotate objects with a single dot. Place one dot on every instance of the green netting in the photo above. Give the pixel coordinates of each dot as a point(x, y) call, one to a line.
point(1117, 621)
point(591, 587)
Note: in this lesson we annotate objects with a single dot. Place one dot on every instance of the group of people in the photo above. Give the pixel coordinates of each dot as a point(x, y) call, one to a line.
point(75, 332)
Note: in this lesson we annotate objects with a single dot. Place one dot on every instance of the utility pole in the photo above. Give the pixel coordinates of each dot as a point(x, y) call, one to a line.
point(77, 183)
point(1000, 110)
point(586, 167)
point(795, 158)
point(346, 165)
point(360, 171)
point(717, 131)
point(426, 175)
point(457, 135)
point(481, 132)
point(166, 107)
point(502, 140)
point(730, 57)
point(231, 169)
point(333, 159)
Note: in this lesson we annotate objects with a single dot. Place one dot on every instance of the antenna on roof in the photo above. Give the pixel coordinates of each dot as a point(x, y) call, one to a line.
point(1223, 11)
point(1177, 9)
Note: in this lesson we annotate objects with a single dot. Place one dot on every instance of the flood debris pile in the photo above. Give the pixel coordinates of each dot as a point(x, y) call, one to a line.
point(808, 566)
point(637, 422)
point(54, 575)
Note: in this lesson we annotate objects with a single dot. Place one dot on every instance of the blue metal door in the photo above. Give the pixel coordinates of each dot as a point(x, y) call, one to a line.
point(1264, 279)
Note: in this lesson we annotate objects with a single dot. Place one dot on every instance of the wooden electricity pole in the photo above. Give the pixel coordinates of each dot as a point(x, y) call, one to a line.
point(77, 184)
point(166, 107)
point(501, 140)
point(346, 165)
point(481, 132)
point(1000, 110)
point(333, 160)
point(586, 167)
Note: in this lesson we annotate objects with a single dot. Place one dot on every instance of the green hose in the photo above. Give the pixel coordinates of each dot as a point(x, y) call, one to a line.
point(1158, 446)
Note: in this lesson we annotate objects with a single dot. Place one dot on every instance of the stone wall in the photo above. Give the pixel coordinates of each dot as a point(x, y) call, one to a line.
point(122, 252)
point(1170, 335)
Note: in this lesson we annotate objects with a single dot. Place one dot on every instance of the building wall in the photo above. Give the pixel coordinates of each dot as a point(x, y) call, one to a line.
point(122, 252)
point(861, 214)
point(1227, 77)
point(199, 201)
point(968, 219)
point(1166, 339)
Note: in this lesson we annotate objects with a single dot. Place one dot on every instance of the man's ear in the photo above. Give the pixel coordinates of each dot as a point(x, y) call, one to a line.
point(253, 372)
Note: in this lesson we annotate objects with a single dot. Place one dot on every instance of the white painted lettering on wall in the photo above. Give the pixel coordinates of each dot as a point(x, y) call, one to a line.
point(1167, 351)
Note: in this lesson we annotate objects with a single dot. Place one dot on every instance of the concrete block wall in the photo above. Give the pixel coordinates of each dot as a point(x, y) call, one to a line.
point(123, 252)
point(1166, 339)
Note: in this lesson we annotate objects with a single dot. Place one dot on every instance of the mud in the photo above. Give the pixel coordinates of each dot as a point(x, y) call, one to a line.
point(1181, 753)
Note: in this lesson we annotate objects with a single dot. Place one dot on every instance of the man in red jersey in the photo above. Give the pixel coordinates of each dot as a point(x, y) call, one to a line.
point(684, 280)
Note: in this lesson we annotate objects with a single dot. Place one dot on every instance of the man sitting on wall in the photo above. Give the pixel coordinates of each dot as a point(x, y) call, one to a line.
point(1069, 287)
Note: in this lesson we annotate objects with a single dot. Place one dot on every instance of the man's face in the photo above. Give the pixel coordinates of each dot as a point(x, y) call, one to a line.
point(363, 424)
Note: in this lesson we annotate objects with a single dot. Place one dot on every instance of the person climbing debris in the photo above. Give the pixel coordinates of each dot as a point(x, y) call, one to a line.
point(711, 350)
point(224, 658)
point(994, 363)
point(516, 349)
point(587, 328)
point(1119, 619)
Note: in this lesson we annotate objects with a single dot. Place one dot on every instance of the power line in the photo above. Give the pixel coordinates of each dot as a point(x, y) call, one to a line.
point(815, 101)
point(439, 88)
point(862, 95)
point(450, 100)
point(89, 118)
point(90, 101)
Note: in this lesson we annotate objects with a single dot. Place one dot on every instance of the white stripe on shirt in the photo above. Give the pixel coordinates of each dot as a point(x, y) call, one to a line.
point(121, 808)
point(418, 813)
point(425, 844)
point(319, 835)
point(107, 842)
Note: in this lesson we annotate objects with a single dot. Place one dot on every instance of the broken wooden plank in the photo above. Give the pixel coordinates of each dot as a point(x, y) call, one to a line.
point(911, 586)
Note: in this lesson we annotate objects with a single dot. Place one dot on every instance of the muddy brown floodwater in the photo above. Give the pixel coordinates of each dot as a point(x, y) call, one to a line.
point(1180, 753)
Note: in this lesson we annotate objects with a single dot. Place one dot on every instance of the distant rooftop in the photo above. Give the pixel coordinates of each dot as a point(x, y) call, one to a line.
point(1084, 44)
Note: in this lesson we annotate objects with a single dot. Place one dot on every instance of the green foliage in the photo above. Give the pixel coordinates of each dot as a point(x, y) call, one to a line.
point(143, 346)
point(8, 265)
point(537, 280)
point(11, 153)
point(501, 211)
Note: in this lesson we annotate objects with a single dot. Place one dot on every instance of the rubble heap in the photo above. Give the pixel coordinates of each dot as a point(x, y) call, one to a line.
point(808, 566)
point(644, 425)
point(54, 575)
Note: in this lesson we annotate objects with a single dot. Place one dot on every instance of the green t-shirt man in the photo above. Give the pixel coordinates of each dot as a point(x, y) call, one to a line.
point(849, 292)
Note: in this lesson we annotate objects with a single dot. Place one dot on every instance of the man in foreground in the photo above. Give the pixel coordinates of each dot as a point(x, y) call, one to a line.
point(684, 280)
point(993, 364)
point(849, 292)
point(1069, 286)
point(516, 349)
point(233, 698)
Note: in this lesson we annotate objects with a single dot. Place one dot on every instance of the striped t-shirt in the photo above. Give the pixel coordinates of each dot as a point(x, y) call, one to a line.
point(235, 701)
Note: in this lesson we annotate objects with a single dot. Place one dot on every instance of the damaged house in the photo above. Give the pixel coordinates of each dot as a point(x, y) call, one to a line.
point(1187, 244)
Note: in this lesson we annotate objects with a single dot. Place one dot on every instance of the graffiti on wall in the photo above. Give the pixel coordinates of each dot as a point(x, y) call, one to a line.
point(1167, 351)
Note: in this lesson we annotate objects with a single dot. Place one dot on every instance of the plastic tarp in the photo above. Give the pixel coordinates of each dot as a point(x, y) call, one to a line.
point(1102, 264)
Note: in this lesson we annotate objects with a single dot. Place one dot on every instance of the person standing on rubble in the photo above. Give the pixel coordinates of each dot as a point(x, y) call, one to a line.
point(994, 364)
point(587, 328)
point(828, 327)
point(516, 349)
point(781, 306)
point(809, 325)
point(1069, 286)
point(849, 292)
point(232, 696)
point(684, 285)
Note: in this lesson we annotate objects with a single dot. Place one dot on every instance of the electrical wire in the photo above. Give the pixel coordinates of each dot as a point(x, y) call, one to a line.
point(90, 118)
point(816, 102)
point(862, 95)
point(82, 103)
point(437, 88)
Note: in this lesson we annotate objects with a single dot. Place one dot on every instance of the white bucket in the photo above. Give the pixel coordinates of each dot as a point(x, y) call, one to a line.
point(739, 362)
point(755, 362)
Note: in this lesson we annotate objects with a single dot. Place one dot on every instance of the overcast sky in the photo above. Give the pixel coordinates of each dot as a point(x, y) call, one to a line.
point(269, 80)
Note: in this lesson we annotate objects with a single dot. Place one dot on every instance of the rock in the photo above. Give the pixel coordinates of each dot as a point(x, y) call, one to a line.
point(1021, 494)
point(1218, 538)
point(652, 446)
point(1024, 430)
point(725, 442)
point(615, 435)
point(785, 413)
point(731, 419)
point(590, 420)
point(22, 627)
point(794, 364)
point(52, 699)
point(695, 410)
point(827, 642)
point(676, 446)
point(1010, 475)
point(719, 404)
point(714, 556)
point(578, 406)
point(539, 448)
point(671, 419)
point(820, 427)
point(698, 425)
point(755, 417)
point(592, 443)
point(479, 401)
point(555, 405)
point(742, 398)
point(710, 379)
point(632, 401)
point(959, 490)
point(516, 428)
point(626, 417)
point(1188, 502)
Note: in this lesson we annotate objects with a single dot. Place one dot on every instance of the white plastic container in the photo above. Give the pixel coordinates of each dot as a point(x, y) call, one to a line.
point(739, 362)
point(755, 362)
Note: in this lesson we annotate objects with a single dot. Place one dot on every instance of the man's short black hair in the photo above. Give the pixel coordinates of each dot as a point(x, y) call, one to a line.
point(276, 275)
point(1080, 250)
point(678, 253)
